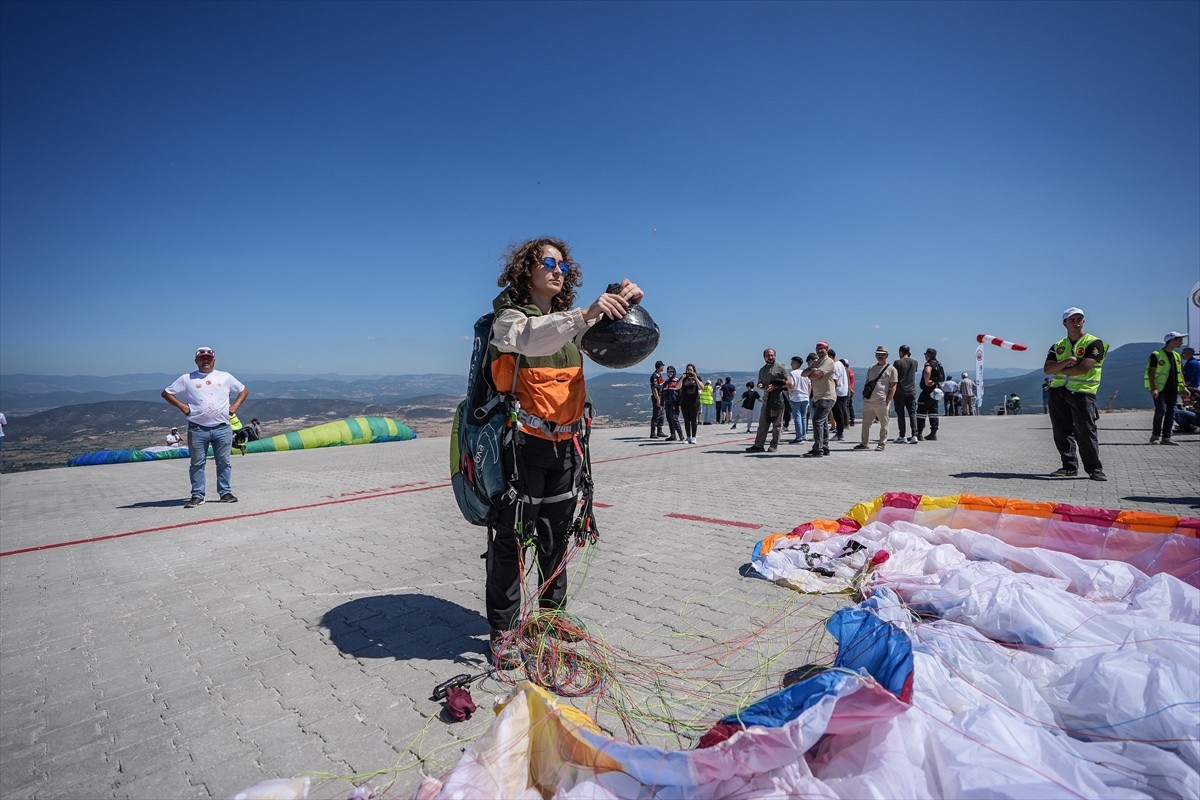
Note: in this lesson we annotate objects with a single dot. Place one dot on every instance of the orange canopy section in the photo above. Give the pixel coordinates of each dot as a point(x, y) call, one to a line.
point(1151, 542)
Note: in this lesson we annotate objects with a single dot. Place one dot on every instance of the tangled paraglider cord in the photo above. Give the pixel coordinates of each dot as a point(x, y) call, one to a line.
point(553, 650)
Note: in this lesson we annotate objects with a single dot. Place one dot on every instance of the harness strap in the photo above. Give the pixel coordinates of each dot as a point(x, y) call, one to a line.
point(524, 418)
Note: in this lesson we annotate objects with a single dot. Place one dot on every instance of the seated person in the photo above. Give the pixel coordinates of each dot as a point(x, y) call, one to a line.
point(1187, 415)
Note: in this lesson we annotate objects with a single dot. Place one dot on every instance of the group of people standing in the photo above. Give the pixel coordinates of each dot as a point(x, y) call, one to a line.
point(819, 387)
point(683, 402)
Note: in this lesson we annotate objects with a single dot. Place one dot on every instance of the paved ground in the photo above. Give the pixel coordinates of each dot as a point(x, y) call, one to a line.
point(163, 652)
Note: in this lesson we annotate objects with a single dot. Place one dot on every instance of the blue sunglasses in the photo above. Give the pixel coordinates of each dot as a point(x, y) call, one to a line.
point(550, 264)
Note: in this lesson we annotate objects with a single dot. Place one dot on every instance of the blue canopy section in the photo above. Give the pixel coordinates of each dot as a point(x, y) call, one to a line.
point(865, 642)
point(126, 456)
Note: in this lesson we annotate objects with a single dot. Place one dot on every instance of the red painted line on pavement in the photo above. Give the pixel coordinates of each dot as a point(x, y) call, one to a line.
point(715, 521)
point(363, 496)
point(219, 519)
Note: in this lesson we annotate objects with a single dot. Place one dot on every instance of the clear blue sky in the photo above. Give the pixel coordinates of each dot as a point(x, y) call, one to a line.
point(327, 187)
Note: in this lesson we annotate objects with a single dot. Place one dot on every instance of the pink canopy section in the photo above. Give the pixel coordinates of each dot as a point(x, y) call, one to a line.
point(1154, 543)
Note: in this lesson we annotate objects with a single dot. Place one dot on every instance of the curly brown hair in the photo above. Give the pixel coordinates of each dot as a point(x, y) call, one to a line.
point(520, 260)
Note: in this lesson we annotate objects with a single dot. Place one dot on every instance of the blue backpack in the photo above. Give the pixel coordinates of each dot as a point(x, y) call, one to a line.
point(481, 431)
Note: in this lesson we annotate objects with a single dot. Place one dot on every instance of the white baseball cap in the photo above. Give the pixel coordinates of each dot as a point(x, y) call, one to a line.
point(1169, 335)
point(1072, 311)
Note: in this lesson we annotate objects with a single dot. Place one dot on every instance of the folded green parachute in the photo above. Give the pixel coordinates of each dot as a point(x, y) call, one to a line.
point(353, 430)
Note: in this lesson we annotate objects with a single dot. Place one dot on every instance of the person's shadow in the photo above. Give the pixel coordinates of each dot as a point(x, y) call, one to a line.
point(407, 626)
point(157, 503)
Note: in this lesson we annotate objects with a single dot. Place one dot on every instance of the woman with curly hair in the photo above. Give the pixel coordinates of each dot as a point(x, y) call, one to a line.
point(535, 347)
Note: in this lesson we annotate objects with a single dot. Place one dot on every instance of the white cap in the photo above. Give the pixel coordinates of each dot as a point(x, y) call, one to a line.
point(1072, 311)
point(1169, 335)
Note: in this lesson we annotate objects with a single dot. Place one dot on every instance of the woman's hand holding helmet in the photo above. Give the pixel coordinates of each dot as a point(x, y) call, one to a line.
point(614, 304)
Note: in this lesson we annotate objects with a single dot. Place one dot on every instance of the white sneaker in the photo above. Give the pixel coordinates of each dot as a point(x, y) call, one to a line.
point(692, 440)
point(912, 440)
point(900, 440)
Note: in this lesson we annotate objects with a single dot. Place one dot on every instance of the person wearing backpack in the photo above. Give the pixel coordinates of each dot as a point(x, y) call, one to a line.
point(932, 376)
point(534, 347)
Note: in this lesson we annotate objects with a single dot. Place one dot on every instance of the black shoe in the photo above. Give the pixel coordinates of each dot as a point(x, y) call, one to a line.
point(1064, 473)
point(1153, 440)
point(861, 447)
point(813, 454)
point(824, 452)
point(672, 438)
point(1169, 442)
point(228, 498)
point(193, 502)
point(1098, 475)
point(931, 437)
point(755, 449)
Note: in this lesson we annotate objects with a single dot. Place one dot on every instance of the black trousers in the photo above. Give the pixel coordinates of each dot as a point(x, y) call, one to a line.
point(549, 476)
point(1164, 412)
point(673, 424)
point(691, 412)
point(839, 416)
point(1073, 418)
point(656, 416)
point(905, 404)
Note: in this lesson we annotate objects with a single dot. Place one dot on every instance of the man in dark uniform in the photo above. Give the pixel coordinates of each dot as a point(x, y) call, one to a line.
point(1074, 365)
point(656, 402)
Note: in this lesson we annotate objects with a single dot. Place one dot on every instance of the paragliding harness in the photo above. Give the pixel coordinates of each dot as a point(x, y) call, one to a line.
point(485, 428)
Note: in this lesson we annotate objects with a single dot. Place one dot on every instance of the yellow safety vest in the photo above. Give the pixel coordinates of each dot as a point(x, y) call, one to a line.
point(1087, 383)
point(1161, 370)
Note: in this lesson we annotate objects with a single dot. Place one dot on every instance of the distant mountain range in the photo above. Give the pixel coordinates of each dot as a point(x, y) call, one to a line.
point(68, 407)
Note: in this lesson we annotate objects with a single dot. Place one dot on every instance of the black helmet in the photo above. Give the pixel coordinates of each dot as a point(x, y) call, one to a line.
point(621, 343)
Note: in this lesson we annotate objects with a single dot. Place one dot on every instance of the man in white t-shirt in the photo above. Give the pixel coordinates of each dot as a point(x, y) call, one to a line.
point(174, 439)
point(798, 395)
point(203, 397)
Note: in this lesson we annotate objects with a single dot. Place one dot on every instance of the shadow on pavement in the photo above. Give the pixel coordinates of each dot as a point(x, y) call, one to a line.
point(178, 501)
point(404, 626)
point(1193, 502)
point(1025, 476)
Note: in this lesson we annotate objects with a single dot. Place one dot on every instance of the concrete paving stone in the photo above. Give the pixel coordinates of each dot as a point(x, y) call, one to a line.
point(243, 690)
point(215, 748)
point(348, 724)
point(216, 656)
point(13, 784)
point(53, 717)
point(199, 721)
point(256, 713)
point(278, 736)
point(185, 699)
point(169, 781)
point(131, 704)
point(315, 706)
point(369, 754)
point(256, 647)
point(147, 756)
point(226, 780)
point(121, 685)
point(174, 666)
point(175, 680)
point(308, 757)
